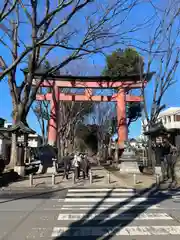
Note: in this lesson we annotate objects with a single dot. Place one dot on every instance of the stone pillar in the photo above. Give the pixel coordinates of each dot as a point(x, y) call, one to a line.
point(20, 167)
point(121, 118)
point(52, 125)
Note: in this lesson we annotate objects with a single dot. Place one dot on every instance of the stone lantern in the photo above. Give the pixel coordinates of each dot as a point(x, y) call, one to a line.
point(21, 131)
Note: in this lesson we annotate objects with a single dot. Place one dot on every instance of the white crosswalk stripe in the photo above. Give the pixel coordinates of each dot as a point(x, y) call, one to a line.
point(115, 212)
point(144, 216)
point(100, 194)
point(121, 190)
point(105, 207)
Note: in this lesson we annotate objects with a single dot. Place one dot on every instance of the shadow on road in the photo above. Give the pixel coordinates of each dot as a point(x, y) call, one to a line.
point(10, 196)
point(9, 177)
point(114, 224)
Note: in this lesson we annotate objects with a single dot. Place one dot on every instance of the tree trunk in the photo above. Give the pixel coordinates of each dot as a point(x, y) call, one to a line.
point(65, 147)
point(109, 148)
point(116, 154)
point(59, 149)
point(105, 152)
point(13, 157)
point(19, 115)
point(62, 146)
point(70, 146)
point(100, 149)
point(43, 133)
point(149, 160)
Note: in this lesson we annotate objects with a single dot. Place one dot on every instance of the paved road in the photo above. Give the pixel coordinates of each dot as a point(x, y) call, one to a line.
point(89, 213)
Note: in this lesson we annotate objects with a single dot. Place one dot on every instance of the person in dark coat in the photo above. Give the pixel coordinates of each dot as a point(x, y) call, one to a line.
point(166, 152)
point(158, 153)
point(67, 162)
point(170, 155)
point(85, 166)
point(171, 161)
point(160, 161)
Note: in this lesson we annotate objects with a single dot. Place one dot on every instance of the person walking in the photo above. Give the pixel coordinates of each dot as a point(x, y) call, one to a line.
point(159, 156)
point(165, 154)
point(171, 160)
point(85, 166)
point(162, 159)
point(76, 164)
point(67, 165)
point(158, 148)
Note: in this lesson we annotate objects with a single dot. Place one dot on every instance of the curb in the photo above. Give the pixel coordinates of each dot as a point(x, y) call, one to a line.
point(138, 188)
point(50, 187)
point(30, 192)
point(119, 180)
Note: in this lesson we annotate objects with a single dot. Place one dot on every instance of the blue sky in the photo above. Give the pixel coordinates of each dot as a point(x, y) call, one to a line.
point(95, 64)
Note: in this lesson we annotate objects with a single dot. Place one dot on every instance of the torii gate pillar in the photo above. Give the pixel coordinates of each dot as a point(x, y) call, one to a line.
point(121, 118)
point(52, 125)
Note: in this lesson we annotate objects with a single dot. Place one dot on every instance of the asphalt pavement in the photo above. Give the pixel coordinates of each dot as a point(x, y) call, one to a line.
point(90, 213)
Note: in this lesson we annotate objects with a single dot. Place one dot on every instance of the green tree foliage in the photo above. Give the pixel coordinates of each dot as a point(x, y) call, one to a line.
point(133, 111)
point(123, 62)
point(2, 121)
point(88, 134)
point(110, 126)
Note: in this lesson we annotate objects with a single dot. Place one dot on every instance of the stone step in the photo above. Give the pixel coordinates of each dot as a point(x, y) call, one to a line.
point(128, 160)
point(129, 167)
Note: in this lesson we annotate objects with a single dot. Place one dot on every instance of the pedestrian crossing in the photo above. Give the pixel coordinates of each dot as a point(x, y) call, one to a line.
point(97, 213)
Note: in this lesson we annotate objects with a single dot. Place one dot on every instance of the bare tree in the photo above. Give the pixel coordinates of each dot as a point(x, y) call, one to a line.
point(7, 6)
point(41, 111)
point(164, 52)
point(101, 23)
point(102, 116)
point(72, 114)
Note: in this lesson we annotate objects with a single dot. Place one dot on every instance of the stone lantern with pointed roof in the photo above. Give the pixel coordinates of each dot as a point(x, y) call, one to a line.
point(157, 132)
point(21, 131)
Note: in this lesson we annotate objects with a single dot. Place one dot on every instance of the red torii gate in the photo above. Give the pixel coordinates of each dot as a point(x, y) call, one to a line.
point(123, 84)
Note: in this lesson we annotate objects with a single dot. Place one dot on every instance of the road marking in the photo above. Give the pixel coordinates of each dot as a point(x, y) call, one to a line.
point(58, 199)
point(118, 200)
point(170, 192)
point(116, 231)
point(114, 216)
point(176, 197)
point(101, 190)
point(100, 194)
point(105, 207)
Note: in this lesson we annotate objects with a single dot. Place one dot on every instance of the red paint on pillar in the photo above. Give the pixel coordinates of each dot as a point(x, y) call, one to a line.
point(121, 118)
point(52, 125)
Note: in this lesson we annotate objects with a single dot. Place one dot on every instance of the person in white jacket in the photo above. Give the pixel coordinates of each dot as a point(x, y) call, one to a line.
point(76, 164)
